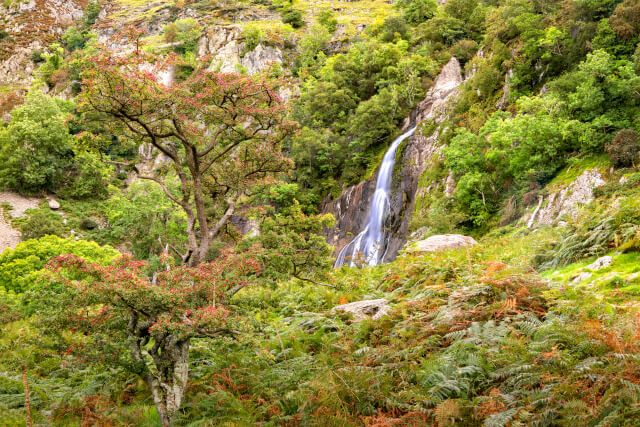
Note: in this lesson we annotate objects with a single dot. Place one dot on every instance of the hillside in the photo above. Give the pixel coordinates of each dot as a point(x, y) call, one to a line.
point(310, 213)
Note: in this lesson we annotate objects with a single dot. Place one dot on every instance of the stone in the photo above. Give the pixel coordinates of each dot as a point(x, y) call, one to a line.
point(441, 242)
point(581, 277)
point(600, 263)
point(566, 200)
point(53, 204)
point(373, 308)
point(260, 58)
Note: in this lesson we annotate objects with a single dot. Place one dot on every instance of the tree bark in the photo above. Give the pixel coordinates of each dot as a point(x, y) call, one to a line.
point(27, 398)
point(168, 386)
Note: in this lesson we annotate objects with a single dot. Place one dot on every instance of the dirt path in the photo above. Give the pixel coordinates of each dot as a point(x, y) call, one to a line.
point(9, 236)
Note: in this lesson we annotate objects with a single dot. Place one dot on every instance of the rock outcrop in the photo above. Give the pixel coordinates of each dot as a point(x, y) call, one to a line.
point(565, 201)
point(366, 309)
point(600, 263)
point(441, 242)
point(29, 26)
point(226, 47)
point(350, 209)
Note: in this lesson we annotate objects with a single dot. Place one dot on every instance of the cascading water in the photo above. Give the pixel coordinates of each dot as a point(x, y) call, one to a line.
point(367, 245)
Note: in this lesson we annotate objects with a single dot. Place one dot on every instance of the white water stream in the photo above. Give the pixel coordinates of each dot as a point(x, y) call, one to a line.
point(367, 246)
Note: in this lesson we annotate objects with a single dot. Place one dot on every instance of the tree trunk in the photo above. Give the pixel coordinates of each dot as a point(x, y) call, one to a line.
point(205, 239)
point(169, 385)
point(27, 399)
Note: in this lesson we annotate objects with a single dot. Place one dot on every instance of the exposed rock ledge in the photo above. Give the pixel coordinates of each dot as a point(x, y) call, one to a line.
point(373, 308)
point(441, 242)
point(224, 44)
point(566, 200)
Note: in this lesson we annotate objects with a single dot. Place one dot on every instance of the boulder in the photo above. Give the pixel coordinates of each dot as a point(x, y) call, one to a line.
point(600, 263)
point(373, 308)
point(441, 242)
point(53, 204)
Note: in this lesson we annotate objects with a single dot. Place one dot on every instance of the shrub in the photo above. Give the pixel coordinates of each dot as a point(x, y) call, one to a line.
point(328, 20)
point(18, 265)
point(531, 197)
point(253, 36)
point(293, 18)
point(623, 148)
point(91, 12)
point(187, 31)
point(40, 223)
point(73, 39)
point(37, 56)
point(625, 20)
point(394, 26)
point(89, 177)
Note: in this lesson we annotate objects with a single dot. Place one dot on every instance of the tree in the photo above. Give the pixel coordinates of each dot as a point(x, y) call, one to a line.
point(35, 148)
point(416, 11)
point(115, 315)
point(624, 148)
point(292, 245)
point(222, 134)
point(626, 19)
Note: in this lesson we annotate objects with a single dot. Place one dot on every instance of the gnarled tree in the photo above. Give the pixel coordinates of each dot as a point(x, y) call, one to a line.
point(221, 133)
point(115, 315)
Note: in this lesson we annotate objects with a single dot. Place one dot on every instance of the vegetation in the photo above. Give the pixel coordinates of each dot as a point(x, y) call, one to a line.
point(186, 280)
point(220, 162)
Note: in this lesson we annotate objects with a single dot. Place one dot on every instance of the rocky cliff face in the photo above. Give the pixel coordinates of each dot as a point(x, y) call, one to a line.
point(28, 26)
point(225, 45)
point(566, 200)
point(350, 209)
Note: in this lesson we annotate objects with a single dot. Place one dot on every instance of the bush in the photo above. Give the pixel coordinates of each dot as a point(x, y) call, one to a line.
point(73, 39)
point(624, 148)
point(187, 31)
point(394, 26)
point(18, 265)
point(37, 56)
point(91, 12)
point(89, 178)
point(40, 223)
point(327, 20)
point(88, 224)
point(253, 36)
point(293, 18)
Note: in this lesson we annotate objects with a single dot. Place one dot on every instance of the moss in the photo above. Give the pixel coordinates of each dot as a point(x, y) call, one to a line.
point(576, 167)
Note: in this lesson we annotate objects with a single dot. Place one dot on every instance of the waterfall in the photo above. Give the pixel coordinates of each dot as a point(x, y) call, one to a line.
point(368, 245)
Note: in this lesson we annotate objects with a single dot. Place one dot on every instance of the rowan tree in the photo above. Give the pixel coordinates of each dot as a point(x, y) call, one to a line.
point(116, 315)
point(221, 133)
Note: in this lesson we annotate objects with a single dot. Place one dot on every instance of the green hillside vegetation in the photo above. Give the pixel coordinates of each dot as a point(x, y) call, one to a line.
point(219, 313)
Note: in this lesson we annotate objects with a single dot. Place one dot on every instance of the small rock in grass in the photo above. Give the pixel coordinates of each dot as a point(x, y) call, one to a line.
point(54, 204)
point(581, 277)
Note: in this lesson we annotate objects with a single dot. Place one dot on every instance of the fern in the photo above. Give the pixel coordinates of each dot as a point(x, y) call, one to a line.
point(501, 419)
